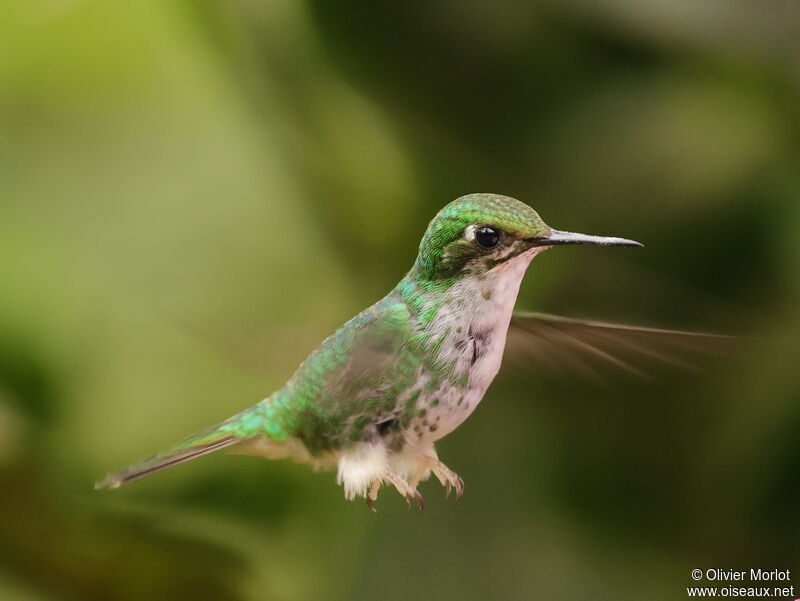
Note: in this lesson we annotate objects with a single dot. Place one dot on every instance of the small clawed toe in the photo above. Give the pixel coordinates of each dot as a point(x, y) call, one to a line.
point(459, 487)
point(415, 497)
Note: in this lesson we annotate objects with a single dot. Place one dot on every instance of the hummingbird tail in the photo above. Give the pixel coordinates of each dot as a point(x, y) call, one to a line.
point(202, 443)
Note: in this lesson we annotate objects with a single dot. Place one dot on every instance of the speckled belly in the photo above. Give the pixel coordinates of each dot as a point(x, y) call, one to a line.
point(441, 411)
point(454, 407)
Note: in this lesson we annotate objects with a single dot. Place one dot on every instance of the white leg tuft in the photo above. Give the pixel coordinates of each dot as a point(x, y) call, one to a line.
point(360, 466)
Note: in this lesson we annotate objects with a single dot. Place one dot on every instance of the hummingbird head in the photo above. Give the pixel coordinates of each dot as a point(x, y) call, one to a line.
point(480, 232)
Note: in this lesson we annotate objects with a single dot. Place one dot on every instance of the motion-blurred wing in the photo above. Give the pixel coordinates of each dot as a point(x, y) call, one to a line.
point(563, 346)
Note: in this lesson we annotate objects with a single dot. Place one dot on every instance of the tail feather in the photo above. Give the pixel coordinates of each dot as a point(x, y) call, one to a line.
point(197, 445)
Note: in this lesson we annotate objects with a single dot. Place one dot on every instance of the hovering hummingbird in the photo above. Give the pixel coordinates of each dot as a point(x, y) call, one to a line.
point(374, 398)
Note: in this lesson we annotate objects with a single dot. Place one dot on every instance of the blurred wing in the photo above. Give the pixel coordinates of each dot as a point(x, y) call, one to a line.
point(358, 371)
point(563, 346)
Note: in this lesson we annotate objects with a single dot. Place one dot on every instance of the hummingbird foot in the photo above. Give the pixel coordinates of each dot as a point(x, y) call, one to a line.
point(448, 478)
point(411, 494)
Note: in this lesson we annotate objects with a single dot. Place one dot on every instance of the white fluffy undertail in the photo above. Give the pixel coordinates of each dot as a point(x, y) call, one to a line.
point(360, 466)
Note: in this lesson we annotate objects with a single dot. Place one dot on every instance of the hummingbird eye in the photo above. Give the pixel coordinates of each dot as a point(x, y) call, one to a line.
point(487, 237)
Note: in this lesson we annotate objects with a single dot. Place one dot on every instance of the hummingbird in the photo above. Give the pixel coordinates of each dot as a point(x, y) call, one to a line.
point(373, 399)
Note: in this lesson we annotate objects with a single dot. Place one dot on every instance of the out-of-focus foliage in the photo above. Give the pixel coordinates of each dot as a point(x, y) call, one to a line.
point(195, 192)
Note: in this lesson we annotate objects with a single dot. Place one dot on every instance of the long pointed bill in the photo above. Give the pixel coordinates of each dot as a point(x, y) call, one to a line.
point(558, 237)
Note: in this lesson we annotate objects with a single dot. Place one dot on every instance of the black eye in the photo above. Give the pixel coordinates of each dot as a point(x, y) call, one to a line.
point(487, 237)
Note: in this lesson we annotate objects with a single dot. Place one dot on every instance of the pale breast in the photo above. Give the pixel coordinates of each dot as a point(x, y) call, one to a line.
point(476, 324)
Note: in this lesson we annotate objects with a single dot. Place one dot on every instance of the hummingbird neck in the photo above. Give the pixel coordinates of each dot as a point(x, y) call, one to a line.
point(491, 294)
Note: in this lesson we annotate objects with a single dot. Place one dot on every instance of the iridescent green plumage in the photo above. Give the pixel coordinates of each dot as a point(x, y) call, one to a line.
point(374, 397)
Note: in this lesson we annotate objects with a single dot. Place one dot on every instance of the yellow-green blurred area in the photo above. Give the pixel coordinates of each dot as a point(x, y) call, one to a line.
point(193, 193)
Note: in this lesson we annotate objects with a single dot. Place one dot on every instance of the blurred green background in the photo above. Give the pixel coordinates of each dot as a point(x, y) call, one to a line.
point(196, 192)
